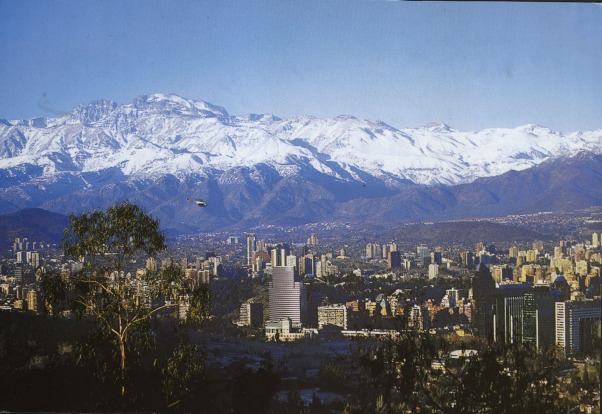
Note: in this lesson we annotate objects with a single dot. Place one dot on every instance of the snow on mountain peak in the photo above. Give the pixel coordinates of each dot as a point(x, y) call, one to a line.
point(438, 127)
point(90, 113)
point(167, 134)
point(174, 105)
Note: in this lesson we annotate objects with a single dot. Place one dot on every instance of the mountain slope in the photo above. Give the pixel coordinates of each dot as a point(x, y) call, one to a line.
point(35, 224)
point(161, 149)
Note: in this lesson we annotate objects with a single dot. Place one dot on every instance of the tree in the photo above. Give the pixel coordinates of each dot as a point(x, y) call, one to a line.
point(121, 299)
point(416, 371)
point(183, 375)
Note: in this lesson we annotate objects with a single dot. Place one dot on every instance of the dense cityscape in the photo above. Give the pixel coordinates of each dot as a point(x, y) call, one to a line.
point(312, 305)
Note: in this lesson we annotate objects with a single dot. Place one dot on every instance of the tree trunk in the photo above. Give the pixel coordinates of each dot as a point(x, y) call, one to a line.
point(122, 366)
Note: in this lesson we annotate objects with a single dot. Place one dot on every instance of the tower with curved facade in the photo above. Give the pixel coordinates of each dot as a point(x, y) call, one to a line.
point(285, 295)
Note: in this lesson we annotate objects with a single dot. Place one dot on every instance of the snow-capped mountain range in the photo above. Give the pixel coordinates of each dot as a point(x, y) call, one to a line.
point(133, 150)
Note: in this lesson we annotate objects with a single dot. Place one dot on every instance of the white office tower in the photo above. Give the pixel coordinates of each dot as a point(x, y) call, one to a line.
point(250, 248)
point(285, 295)
point(595, 240)
point(433, 271)
point(291, 260)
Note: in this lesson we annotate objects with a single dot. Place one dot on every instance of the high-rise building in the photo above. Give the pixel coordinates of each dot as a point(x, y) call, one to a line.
point(422, 252)
point(538, 317)
point(369, 251)
point(19, 273)
point(332, 315)
point(394, 259)
point(285, 295)
point(291, 260)
point(419, 318)
point(595, 240)
point(538, 245)
point(508, 312)
point(483, 292)
point(501, 273)
point(33, 258)
point(377, 251)
point(312, 240)
point(251, 314)
point(279, 254)
point(32, 300)
point(436, 257)
point(22, 256)
point(532, 256)
point(577, 325)
point(250, 249)
point(384, 251)
point(558, 252)
point(433, 270)
point(454, 295)
point(467, 258)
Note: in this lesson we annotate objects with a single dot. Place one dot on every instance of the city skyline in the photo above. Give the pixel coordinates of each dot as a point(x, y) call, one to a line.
point(469, 65)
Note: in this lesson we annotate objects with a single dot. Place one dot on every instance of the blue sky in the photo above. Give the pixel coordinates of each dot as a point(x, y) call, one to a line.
point(468, 64)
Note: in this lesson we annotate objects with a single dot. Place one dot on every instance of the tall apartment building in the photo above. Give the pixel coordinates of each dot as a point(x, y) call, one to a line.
point(307, 265)
point(291, 260)
point(250, 249)
point(501, 273)
point(33, 258)
point(251, 314)
point(285, 295)
point(467, 258)
point(436, 257)
point(332, 315)
point(419, 318)
point(433, 270)
point(394, 259)
point(279, 254)
point(577, 323)
point(32, 301)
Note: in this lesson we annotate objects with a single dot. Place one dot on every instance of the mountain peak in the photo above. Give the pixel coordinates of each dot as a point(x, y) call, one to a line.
point(438, 127)
point(175, 105)
point(534, 128)
point(92, 112)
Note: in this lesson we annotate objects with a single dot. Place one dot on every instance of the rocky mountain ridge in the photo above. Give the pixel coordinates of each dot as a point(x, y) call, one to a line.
point(161, 149)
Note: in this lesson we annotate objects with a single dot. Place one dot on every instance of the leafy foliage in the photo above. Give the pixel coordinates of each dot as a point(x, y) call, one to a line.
point(183, 375)
point(416, 371)
point(121, 299)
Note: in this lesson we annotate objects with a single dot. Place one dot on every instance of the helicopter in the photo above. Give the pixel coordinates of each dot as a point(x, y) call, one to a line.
point(198, 202)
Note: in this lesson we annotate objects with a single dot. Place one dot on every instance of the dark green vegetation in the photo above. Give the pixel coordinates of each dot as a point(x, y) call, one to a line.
point(417, 372)
point(59, 365)
point(122, 304)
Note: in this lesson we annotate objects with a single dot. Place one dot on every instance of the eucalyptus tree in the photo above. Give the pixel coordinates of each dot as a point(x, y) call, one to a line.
point(121, 297)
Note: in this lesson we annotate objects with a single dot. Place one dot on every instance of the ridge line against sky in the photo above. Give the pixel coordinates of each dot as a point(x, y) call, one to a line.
point(469, 65)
